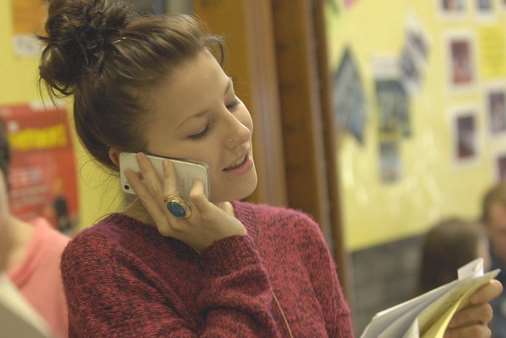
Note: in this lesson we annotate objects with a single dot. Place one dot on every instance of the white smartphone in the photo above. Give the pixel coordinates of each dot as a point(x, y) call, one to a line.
point(187, 172)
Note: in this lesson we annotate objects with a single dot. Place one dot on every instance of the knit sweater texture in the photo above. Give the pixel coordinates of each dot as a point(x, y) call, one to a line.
point(123, 279)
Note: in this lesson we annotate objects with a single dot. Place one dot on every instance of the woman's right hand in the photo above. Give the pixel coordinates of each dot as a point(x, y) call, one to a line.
point(207, 224)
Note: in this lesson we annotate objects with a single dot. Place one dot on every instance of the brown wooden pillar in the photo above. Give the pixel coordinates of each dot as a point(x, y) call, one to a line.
point(307, 120)
point(246, 26)
point(330, 141)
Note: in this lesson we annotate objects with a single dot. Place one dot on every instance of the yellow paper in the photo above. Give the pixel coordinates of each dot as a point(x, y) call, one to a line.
point(438, 329)
point(492, 51)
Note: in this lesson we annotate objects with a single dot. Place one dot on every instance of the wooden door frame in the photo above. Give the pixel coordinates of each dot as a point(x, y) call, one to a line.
point(309, 131)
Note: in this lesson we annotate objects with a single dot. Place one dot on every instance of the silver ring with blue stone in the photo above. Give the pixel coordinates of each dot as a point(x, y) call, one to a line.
point(177, 206)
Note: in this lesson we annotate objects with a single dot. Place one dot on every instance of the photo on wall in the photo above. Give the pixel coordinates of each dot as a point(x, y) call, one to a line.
point(500, 166)
point(485, 9)
point(389, 161)
point(349, 3)
point(417, 39)
point(414, 56)
point(450, 7)
point(484, 5)
point(465, 136)
point(496, 110)
point(349, 97)
point(394, 106)
point(461, 59)
point(410, 69)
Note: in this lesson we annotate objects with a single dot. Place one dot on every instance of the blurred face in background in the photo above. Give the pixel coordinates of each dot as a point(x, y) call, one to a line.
point(496, 229)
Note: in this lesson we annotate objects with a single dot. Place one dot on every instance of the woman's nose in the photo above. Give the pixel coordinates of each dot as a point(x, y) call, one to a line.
point(239, 133)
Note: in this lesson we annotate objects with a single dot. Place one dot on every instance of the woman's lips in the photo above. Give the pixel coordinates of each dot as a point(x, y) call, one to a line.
point(241, 168)
point(232, 167)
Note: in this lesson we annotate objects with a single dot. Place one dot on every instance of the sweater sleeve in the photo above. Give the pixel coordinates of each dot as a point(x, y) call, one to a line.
point(109, 297)
point(322, 271)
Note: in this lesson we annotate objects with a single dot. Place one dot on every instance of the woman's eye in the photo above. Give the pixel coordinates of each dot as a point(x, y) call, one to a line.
point(232, 105)
point(200, 134)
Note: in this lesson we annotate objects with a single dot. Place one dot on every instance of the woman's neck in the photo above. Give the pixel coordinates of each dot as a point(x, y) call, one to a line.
point(136, 210)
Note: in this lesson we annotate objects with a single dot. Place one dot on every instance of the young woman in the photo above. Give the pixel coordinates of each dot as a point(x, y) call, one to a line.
point(219, 268)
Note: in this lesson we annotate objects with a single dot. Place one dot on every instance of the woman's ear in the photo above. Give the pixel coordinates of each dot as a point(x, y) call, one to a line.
point(114, 156)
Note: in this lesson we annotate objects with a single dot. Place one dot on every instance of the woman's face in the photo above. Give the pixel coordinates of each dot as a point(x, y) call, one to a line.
point(195, 115)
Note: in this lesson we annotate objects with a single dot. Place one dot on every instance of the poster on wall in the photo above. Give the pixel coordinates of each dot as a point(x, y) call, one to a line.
point(417, 40)
point(414, 56)
point(484, 7)
point(28, 18)
point(461, 61)
point(349, 97)
point(43, 171)
point(465, 136)
point(393, 104)
point(500, 167)
point(349, 3)
point(410, 70)
point(495, 98)
point(492, 52)
point(390, 162)
point(452, 7)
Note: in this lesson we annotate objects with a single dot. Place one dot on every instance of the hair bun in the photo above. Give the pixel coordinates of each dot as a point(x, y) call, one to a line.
point(78, 35)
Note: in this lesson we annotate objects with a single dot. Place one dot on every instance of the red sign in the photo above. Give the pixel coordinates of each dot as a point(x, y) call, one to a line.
point(42, 171)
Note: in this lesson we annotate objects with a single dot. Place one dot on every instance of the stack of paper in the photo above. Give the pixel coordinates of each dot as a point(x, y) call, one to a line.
point(17, 319)
point(428, 315)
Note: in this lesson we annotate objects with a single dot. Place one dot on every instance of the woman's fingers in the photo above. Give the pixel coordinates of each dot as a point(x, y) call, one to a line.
point(472, 320)
point(477, 314)
point(486, 293)
point(197, 197)
point(149, 201)
point(474, 331)
point(169, 178)
point(149, 175)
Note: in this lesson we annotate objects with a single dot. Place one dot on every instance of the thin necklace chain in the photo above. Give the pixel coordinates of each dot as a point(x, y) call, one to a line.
point(282, 314)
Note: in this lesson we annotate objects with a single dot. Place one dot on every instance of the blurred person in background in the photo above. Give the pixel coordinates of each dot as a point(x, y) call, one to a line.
point(30, 254)
point(493, 217)
point(447, 246)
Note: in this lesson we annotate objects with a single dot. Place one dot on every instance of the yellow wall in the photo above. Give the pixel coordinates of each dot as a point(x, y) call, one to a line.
point(431, 185)
point(98, 193)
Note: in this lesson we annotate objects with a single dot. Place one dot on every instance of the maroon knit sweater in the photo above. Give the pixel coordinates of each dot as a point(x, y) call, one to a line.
point(123, 279)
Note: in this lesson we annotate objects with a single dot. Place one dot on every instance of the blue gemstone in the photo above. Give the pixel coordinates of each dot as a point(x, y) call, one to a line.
point(176, 209)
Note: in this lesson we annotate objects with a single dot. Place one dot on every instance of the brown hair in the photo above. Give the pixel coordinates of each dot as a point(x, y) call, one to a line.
point(496, 194)
point(107, 56)
point(449, 245)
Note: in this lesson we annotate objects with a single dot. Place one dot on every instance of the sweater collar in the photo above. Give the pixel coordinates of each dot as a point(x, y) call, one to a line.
point(243, 211)
point(246, 214)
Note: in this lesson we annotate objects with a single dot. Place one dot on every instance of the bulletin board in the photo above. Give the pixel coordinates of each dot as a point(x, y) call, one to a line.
point(421, 106)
